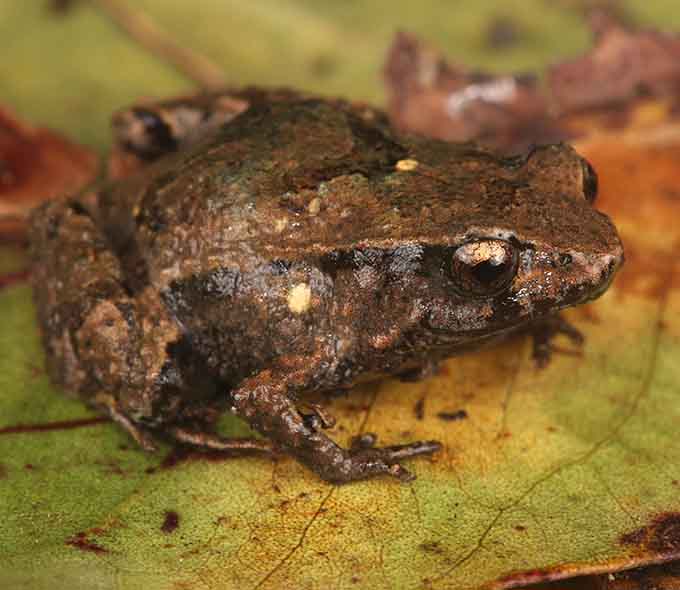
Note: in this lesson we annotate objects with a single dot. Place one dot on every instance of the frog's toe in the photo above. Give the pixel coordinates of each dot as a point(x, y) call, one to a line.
point(421, 447)
point(401, 473)
point(213, 442)
point(141, 436)
point(366, 459)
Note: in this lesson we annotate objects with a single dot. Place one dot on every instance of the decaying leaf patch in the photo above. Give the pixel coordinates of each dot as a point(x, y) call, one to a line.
point(665, 577)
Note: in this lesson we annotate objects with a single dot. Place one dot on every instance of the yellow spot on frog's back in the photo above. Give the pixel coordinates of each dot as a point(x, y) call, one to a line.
point(299, 298)
point(314, 206)
point(406, 165)
point(280, 224)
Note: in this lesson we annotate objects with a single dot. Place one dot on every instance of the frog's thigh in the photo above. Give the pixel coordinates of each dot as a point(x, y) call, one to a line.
point(265, 403)
point(98, 337)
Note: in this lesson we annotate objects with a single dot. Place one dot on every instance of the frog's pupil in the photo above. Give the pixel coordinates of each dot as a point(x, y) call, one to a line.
point(488, 273)
point(483, 267)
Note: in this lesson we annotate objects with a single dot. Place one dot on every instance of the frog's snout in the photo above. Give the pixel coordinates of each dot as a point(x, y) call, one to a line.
point(607, 265)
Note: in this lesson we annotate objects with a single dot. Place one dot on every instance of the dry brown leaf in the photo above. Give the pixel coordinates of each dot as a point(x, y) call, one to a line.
point(36, 164)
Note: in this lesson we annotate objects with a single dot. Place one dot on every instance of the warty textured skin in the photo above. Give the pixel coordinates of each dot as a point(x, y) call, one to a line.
point(301, 247)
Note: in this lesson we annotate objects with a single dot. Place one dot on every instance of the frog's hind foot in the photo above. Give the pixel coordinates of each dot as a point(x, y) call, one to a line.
point(544, 332)
point(143, 438)
point(212, 442)
point(194, 438)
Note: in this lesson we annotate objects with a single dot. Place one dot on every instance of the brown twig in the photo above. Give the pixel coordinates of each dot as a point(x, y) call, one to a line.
point(144, 31)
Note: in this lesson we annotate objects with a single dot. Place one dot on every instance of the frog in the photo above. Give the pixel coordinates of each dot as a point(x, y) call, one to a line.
point(294, 247)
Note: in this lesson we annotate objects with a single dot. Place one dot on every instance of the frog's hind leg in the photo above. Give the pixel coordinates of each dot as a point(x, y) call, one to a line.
point(79, 285)
point(266, 403)
point(106, 341)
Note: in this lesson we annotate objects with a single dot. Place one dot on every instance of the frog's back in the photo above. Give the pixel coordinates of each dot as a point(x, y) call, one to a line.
point(303, 178)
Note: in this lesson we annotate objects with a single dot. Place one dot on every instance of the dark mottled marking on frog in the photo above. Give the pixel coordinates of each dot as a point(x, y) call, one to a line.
point(374, 154)
point(185, 369)
point(171, 521)
point(397, 262)
point(136, 274)
point(150, 214)
point(217, 284)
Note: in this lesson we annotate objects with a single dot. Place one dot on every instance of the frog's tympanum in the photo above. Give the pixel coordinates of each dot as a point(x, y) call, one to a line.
point(294, 247)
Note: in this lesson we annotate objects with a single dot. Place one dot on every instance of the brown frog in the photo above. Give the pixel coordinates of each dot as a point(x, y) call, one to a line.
point(295, 245)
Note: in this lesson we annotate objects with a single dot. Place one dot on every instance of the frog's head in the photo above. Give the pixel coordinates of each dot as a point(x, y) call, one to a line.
point(532, 247)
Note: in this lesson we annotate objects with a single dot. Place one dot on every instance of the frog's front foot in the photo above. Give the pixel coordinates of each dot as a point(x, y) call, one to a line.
point(212, 442)
point(544, 332)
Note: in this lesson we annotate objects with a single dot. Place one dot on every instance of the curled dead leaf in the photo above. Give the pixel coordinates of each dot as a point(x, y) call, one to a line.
point(509, 112)
point(623, 64)
point(36, 164)
point(433, 97)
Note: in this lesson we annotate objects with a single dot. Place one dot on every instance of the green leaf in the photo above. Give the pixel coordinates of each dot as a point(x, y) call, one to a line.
point(568, 470)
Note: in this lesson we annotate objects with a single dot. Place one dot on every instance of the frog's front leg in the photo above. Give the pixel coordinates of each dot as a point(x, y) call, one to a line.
point(266, 402)
point(113, 346)
point(543, 333)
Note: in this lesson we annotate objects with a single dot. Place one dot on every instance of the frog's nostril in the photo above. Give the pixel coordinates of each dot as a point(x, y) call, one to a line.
point(609, 266)
point(616, 262)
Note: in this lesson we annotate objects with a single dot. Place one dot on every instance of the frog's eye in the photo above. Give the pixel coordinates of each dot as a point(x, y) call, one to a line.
point(589, 181)
point(484, 267)
point(157, 135)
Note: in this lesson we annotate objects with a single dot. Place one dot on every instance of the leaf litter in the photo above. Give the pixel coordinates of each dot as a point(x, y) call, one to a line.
point(592, 435)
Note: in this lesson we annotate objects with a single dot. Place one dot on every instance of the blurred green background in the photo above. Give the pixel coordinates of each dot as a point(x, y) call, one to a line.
point(50, 74)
